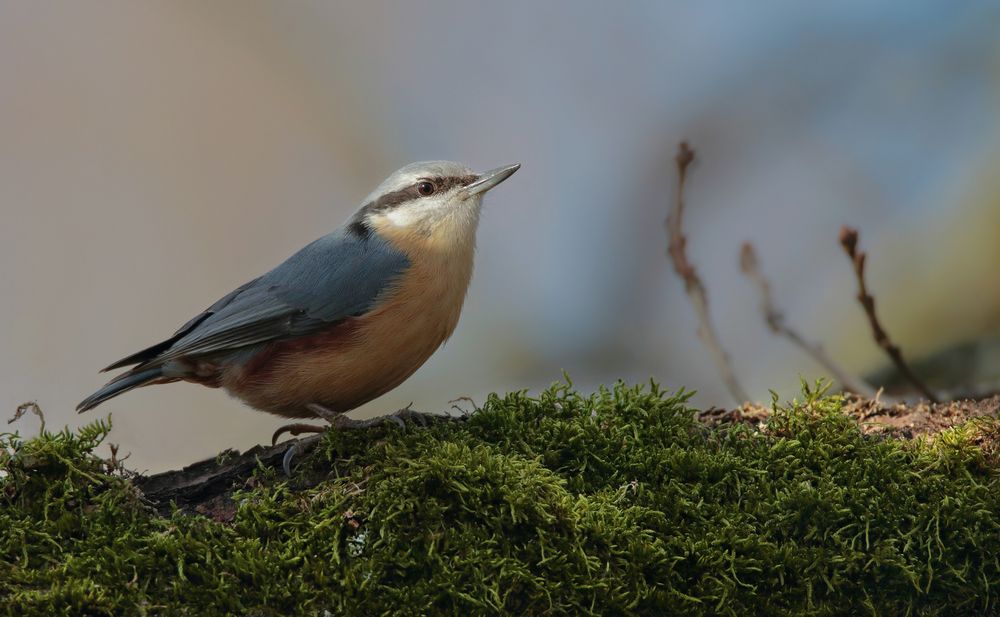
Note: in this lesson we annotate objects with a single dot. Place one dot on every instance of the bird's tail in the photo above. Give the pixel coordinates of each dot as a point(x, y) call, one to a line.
point(123, 383)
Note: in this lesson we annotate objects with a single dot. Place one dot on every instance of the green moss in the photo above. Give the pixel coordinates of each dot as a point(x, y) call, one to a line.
point(615, 503)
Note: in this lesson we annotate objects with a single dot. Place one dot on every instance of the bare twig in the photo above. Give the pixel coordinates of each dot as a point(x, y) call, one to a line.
point(463, 399)
point(776, 321)
point(24, 408)
point(849, 240)
point(115, 464)
point(692, 284)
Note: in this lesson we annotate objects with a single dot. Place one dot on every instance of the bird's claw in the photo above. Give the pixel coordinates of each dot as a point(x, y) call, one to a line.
point(398, 418)
point(286, 460)
point(342, 422)
point(295, 430)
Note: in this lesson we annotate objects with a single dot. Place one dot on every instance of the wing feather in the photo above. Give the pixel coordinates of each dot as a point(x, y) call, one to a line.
point(338, 276)
point(154, 351)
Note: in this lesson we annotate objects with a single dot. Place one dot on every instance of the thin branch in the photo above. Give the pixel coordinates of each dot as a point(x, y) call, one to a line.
point(775, 320)
point(692, 284)
point(24, 408)
point(849, 240)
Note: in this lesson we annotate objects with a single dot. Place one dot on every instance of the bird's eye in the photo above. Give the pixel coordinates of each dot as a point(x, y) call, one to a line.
point(426, 188)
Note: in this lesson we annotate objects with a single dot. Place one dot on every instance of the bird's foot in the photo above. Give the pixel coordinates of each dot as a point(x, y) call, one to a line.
point(340, 421)
point(324, 412)
point(398, 418)
point(295, 430)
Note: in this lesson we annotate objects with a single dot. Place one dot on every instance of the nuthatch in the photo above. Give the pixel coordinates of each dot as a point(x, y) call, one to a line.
point(344, 320)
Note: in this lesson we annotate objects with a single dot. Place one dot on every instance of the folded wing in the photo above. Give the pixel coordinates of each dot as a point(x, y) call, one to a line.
point(338, 276)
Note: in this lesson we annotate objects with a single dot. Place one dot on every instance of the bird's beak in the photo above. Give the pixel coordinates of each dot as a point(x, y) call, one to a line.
point(491, 178)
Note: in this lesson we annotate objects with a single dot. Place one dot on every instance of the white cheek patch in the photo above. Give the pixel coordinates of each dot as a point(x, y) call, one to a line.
point(420, 212)
point(404, 216)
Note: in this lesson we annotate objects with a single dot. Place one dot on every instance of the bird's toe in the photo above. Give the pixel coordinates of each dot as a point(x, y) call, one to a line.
point(286, 460)
point(295, 429)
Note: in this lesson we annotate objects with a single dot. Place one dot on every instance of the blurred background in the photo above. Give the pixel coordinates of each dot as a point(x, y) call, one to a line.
point(155, 155)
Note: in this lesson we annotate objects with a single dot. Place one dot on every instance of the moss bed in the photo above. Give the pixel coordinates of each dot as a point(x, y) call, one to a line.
point(616, 503)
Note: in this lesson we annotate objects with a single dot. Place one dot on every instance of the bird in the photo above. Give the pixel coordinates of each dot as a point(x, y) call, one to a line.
point(345, 319)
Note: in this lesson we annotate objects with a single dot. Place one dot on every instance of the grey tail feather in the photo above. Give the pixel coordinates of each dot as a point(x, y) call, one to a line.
point(142, 356)
point(121, 384)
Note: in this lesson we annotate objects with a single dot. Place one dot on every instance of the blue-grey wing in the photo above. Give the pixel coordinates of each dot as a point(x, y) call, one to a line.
point(215, 308)
point(154, 351)
point(338, 276)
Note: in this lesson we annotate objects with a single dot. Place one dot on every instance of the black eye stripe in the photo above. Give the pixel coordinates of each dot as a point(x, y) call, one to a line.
point(409, 193)
point(359, 226)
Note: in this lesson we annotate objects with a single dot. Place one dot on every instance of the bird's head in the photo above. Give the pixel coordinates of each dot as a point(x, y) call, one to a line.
point(435, 201)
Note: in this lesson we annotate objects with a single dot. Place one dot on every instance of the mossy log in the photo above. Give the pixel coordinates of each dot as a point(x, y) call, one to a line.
point(623, 502)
